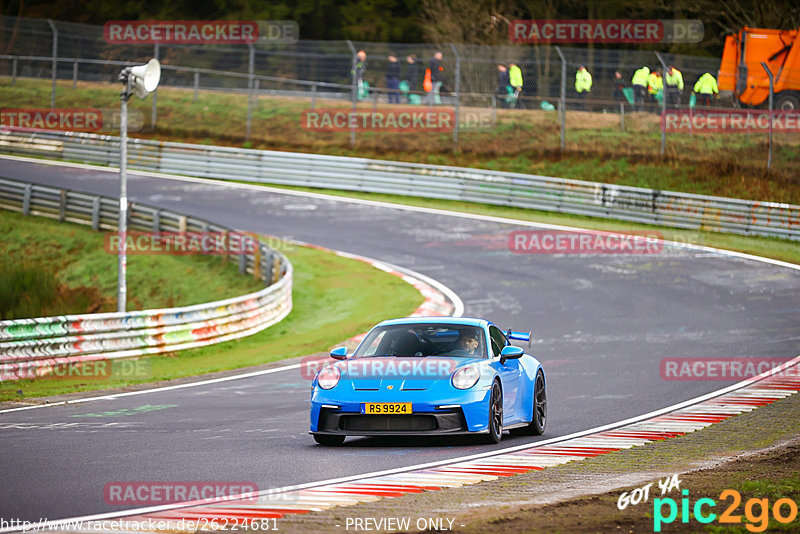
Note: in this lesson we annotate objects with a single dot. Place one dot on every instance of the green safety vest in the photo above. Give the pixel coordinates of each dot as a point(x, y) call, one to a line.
point(640, 76)
point(675, 79)
point(706, 85)
point(515, 76)
point(583, 81)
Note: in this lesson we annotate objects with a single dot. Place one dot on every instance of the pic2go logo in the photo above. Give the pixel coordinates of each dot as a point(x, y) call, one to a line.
point(756, 511)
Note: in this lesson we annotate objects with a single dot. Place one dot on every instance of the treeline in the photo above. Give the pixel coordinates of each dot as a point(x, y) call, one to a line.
point(418, 21)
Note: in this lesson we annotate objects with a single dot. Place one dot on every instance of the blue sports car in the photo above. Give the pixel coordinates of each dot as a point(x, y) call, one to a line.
point(430, 375)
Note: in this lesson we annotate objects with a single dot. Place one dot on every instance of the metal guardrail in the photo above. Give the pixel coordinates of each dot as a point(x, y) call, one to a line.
point(33, 347)
point(679, 210)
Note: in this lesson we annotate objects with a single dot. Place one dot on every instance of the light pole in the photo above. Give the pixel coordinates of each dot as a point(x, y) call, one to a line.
point(142, 80)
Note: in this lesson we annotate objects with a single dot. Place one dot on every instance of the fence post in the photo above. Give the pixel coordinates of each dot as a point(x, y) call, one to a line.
point(255, 92)
point(353, 88)
point(14, 71)
point(663, 106)
point(75, 75)
point(771, 94)
point(622, 116)
point(494, 109)
point(562, 107)
point(458, 94)
point(54, 68)
point(313, 96)
point(250, 85)
point(154, 110)
point(196, 84)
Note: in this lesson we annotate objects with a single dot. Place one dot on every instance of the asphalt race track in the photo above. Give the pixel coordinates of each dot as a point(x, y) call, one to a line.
point(602, 324)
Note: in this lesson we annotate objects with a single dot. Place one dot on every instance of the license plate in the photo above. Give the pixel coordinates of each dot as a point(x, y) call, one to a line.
point(386, 408)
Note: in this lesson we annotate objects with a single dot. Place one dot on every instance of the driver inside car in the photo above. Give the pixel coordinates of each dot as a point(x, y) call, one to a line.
point(468, 343)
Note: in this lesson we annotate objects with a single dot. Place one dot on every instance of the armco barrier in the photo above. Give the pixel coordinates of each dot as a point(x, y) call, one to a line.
point(32, 347)
point(681, 210)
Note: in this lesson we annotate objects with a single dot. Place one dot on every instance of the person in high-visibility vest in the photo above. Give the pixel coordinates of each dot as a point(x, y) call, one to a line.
point(673, 80)
point(706, 87)
point(583, 84)
point(655, 87)
point(515, 78)
point(639, 83)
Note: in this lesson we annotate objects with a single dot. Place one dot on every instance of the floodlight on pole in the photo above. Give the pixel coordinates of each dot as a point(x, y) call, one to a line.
point(141, 80)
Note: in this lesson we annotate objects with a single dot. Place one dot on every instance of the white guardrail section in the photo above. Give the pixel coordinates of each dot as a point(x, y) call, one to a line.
point(32, 347)
point(636, 204)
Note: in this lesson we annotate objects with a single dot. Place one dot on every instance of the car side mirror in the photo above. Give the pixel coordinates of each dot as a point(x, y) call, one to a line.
point(510, 353)
point(339, 353)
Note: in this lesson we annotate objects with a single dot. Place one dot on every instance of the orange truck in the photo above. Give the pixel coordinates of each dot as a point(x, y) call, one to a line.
point(742, 73)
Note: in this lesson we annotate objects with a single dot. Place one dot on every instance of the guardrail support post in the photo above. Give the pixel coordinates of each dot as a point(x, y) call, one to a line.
point(14, 71)
point(75, 75)
point(243, 263)
point(96, 214)
point(313, 96)
point(156, 221)
point(562, 106)
point(196, 84)
point(257, 262)
point(62, 206)
point(771, 110)
point(54, 67)
point(26, 199)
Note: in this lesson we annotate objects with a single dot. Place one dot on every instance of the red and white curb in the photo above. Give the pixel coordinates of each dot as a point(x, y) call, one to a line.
point(670, 422)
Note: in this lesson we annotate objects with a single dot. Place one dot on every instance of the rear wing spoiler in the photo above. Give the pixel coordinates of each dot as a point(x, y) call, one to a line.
point(519, 336)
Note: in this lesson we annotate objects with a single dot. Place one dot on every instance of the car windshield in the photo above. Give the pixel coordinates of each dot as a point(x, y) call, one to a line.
point(424, 339)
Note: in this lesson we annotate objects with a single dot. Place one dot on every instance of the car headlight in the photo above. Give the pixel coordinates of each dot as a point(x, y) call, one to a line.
point(329, 377)
point(466, 377)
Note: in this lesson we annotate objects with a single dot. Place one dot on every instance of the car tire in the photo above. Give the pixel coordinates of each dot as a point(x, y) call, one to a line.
point(328, 440)
point(539, 420)
point(495, 415)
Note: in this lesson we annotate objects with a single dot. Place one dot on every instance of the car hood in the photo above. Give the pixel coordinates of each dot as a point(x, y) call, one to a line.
point(407, 374)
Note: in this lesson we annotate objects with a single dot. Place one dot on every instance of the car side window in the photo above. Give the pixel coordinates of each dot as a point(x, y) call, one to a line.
point(498, 340)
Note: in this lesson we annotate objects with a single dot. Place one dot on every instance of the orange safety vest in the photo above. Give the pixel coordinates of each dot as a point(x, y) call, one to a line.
point(427, 84)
